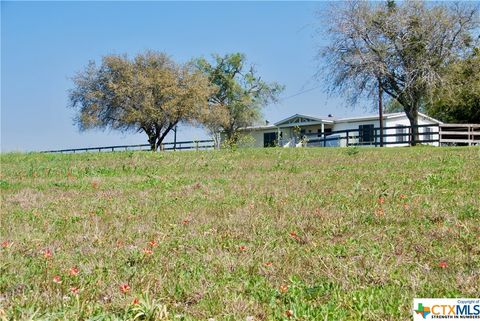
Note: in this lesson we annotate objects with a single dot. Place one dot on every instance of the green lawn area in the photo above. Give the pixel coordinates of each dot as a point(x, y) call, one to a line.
point(248, 234)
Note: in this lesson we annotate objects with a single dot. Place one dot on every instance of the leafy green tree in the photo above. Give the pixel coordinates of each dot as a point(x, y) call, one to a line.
point(402, 46)
point(149, 94)
point(458, 99)
point(238, 97)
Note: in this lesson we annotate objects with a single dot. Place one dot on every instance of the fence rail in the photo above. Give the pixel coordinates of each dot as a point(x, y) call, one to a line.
point(181, 145)
point(371, 136)
point(468, 134)
point(434, 134)
point(444, 134)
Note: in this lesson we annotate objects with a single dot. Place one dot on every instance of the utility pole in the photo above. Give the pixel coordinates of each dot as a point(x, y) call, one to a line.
point(380, 111)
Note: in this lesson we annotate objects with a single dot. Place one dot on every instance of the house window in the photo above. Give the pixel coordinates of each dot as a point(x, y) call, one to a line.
point(365, 133)
point(400, 131)
point(428, 133)
point(270, 139)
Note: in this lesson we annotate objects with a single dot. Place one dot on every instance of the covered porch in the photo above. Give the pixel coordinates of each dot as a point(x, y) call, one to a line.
point(293, 131)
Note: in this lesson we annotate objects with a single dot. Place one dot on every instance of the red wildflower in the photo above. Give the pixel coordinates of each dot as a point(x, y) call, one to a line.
point(442, 264)
point(73, 271)
point(242, 248)
point(289, 313)
point(6, 244)
point(124, 288)
point(381, 200)
point(294, 236)
point(268, 264)
point(57, 279)
point(136, 301)
point(147, 251)
point(403, 196)
point(379, 212)
point(283, 288)
point(185, 221)
point(152, 243)
point(405, 206)
point(74, 290)
point(47, 253)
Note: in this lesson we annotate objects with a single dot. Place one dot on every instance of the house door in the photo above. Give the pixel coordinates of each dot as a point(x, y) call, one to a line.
point(270, 139)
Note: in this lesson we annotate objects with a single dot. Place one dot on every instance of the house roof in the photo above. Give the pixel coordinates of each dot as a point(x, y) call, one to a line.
point(368, 117)
point(385, 116)
point(301, 119)
point(258, 127)
point(430, 118)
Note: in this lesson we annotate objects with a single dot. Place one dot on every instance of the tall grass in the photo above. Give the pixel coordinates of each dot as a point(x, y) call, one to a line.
point(254, 234)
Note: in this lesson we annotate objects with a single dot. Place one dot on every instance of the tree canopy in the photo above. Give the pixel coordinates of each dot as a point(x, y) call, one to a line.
point(458, 99)
point(150, 93)
point(239, 95)
point(402, 47)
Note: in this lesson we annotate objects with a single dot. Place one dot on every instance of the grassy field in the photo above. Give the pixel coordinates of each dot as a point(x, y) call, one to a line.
point(266, 234)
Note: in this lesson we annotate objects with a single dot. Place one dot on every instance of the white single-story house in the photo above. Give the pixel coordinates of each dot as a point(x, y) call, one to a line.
point(304, 130)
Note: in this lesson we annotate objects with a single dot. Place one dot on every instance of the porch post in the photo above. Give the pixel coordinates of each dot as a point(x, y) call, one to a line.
point(278, 137)
point(322, 126)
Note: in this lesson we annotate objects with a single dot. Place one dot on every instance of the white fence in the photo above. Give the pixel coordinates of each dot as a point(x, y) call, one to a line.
point(459, 134)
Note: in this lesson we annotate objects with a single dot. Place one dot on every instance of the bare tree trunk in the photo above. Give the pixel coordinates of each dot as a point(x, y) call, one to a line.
point(217, 139)
point(152, 139)
point(158, 144)
point(412, 116)
point(161, 136)
point(216, 136)
point(230, 136)
point(155, 134)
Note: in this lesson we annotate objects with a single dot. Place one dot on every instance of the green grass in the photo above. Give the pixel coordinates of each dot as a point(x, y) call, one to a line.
point(326, 233)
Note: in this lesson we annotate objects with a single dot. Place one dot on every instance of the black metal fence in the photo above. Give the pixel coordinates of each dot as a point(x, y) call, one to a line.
point(370, 136)
point(170, 146)
point(367, 135)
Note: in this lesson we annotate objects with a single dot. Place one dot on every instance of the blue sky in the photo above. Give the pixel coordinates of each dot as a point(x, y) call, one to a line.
point(43, 44)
